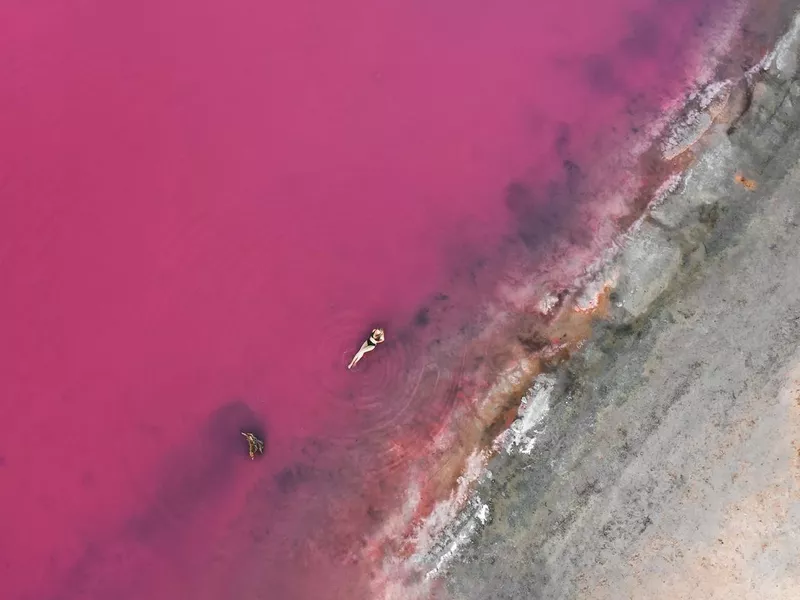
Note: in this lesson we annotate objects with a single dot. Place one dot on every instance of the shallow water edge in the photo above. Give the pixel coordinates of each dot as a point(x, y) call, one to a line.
point(666, 243)
point(576, 510)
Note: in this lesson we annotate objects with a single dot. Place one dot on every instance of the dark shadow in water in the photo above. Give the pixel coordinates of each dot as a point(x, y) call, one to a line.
point(195, 476)
point(199, 472)
point(539, 216)
point(644, 40)
point(290, 478)
point(601, 75)
point(562, 141)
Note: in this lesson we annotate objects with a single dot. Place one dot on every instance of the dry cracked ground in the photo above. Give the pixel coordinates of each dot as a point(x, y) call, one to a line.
point(669, 464)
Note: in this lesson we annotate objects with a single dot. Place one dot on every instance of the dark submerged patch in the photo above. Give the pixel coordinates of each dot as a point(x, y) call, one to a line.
point(290, 478)
point(538, 218)
point(422, 318)
point(600, 74)
point(198, 473)
point(533, 341)
point(644, 40)
point(193, 476)
point(562, 141)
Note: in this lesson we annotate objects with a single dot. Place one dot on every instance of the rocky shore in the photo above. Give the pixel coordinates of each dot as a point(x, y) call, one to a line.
point(663, 459)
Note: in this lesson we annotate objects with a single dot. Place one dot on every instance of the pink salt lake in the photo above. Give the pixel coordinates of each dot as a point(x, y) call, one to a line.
point(205, 207)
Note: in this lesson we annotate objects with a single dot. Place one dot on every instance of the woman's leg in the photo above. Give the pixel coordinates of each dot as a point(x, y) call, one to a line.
point(365, 347)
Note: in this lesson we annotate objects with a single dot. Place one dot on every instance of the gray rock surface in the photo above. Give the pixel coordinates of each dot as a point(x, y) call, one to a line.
point(701, 183)
point(649, 264)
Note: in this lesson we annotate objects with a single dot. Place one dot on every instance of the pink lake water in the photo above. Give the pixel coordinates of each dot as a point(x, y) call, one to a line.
point(206, 206)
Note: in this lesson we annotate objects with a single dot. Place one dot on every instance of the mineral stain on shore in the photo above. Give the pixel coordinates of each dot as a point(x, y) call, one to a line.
point(745, 182)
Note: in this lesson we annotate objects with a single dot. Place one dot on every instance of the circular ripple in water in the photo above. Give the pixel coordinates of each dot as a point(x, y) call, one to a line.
point(393, 393)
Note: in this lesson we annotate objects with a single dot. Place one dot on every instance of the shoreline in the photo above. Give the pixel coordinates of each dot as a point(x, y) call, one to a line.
point(664, 247)
point(742, 155)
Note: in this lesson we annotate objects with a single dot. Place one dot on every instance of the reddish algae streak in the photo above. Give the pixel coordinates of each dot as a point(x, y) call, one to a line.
point(204, 210)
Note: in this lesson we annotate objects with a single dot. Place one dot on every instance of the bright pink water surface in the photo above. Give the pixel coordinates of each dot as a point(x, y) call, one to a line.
point(205, 206)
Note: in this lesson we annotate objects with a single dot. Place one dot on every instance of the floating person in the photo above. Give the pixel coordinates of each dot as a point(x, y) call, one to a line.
point(376, 337)
point(254, 444)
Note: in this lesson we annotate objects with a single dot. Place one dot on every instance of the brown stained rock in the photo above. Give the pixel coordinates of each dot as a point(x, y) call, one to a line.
point(746, 183)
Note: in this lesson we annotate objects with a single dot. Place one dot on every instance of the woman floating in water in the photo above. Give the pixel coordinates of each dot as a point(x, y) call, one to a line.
point(376, 337)
point(254, 444)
